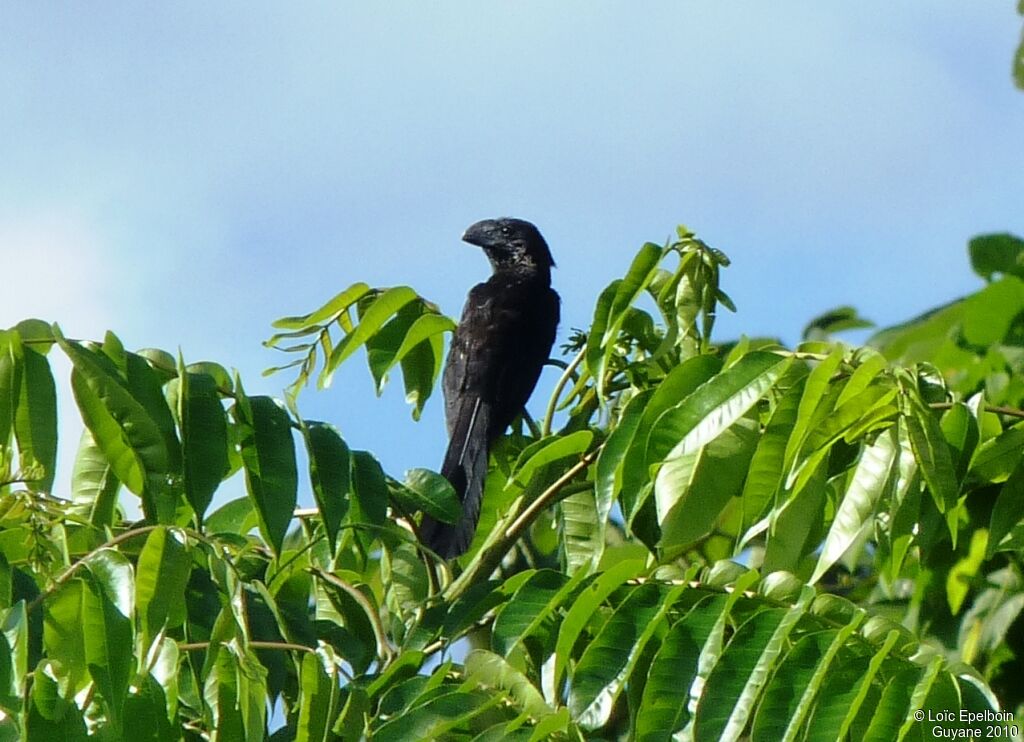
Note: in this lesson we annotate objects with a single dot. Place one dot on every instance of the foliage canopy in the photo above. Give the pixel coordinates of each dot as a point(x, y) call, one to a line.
point(698, 538)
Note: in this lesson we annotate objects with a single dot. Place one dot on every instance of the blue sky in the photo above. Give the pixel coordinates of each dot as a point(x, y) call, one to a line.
point(185, 173)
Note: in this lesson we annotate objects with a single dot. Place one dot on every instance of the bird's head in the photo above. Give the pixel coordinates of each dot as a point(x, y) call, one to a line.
point(511, 244)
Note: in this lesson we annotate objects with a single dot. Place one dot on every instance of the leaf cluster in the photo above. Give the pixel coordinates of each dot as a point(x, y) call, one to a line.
point(696, 539)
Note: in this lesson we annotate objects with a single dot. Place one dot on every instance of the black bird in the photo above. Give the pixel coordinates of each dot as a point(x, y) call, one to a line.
point(496, 356)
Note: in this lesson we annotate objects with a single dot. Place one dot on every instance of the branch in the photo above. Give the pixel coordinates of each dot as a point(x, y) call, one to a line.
point(491, 555)
point(70, 571)
point(1009, 411)
point(562, 381)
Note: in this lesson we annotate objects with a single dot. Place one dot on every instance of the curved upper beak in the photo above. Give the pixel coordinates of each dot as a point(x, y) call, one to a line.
point(480, 234)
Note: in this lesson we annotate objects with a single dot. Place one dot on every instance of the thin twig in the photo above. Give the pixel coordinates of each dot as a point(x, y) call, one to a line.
point(285, 646)
point(70, 571)
point(562, 381)
point(997, 409)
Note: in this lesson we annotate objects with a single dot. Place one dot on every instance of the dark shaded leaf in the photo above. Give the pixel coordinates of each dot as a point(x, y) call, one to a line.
point(268, 451)
point(330, 473)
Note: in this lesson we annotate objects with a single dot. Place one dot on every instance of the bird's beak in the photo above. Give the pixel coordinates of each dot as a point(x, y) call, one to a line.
point(481, 233)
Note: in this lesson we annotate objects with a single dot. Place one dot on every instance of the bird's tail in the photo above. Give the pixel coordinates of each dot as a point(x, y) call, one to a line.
point(465, 466)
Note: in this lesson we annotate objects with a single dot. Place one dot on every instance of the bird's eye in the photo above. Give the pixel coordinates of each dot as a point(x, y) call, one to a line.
point(506, 231)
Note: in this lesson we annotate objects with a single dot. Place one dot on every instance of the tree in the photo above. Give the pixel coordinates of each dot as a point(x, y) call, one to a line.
point(711, 539)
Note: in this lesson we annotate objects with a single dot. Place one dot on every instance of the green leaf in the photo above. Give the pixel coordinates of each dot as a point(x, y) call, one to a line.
point(893, 708)
point(146, 386)
point(379, 311)
point(727, 702)
point(921, 338)
point(412, 326)
point(330, 473)
point(765, 473)
point(434, 495)
point(847, 420)
point(63, 641)
point(934, 458)
point(436, 717)
point(836, 320)
point(10, 390)
point(94, 486)
point(585, 605)
point(1018, 65)
point(35, 421)
point(610, 311)
point(529, 610)
point(789, 699)
point(146, 708)
point(611, 657)
point(1008, 511)
point(492, 670)
point(546, 452)
point(846, 690)
point(856, 509)
point(161, 576)
point(235, 695)
point(995, 459)
point(52, 713)
point(958, 581)
point(352, 720)
point(204, 437)
point(997, 253)
point(107, 614)
point(961, 431)
point(420, 368)
point(818, 383)
point(989, 314)
point(319, 699)
point(608, 471)
point(406, 585)
point(382, 346)
point(871, 365)
point(424, 328)
point(582, 526)
point(13, 655)
point(714, 406)
point(634, 472)
point(692, 489)
point(328, 311)
point(794, 523)
point(121, 427)
point(236, 516)
point(369, 494)
point(664, 706)
point(268, 452)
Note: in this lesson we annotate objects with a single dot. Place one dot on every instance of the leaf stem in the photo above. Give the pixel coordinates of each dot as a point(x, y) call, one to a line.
point(286, 646)
point(553, 402)
point(384, 649)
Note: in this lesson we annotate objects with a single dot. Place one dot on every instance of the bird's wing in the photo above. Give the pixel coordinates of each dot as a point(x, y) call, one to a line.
point(473, 360)
point(496, 356)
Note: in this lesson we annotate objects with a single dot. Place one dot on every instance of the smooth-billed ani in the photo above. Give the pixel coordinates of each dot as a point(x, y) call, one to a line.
point(499, 347)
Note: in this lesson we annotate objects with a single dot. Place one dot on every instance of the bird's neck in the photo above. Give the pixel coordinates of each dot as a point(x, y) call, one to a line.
point(524, 273)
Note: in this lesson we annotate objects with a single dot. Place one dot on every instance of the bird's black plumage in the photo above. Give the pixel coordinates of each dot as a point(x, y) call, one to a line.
point(501, 343)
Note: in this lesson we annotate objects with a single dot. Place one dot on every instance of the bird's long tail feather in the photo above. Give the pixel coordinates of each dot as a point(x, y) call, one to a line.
point(465, 466)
